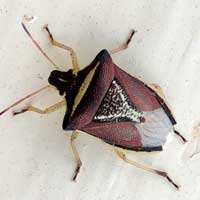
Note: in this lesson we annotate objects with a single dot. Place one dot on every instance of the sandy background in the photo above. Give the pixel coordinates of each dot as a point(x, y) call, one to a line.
point(36, 160)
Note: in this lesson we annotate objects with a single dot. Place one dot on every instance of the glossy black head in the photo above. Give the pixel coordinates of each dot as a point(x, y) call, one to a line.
point(63, 81)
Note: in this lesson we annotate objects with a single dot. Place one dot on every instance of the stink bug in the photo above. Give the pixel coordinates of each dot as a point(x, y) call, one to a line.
point(110, 104)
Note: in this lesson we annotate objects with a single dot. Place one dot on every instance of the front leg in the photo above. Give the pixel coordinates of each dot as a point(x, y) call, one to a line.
point(62, 46)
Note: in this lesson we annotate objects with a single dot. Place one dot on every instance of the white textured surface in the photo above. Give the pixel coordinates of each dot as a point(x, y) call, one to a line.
point(36, 161)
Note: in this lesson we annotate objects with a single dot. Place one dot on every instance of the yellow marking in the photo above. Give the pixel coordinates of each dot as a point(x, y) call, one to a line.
point(83, 88)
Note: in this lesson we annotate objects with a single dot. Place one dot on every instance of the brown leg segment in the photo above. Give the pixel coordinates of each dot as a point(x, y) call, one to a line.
point(62, 46)
point(151, 170)
point(177, 133)
point(76, 155)
point(125, 45)
point(45, 111)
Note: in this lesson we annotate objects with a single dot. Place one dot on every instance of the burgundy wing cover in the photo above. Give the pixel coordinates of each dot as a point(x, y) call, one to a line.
point(126, 134)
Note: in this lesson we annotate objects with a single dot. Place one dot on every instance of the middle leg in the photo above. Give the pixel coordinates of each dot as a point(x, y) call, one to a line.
point(40, 111)
point(76, 155)
point(124, 45)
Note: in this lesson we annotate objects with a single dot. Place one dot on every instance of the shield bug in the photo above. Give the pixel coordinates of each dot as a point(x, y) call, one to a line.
point(110, 104)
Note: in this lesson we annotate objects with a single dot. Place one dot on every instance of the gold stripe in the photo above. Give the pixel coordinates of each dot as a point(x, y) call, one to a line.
point(83, 89)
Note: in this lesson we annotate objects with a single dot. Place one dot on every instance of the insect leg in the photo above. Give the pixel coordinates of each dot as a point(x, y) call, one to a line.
point(157, 89)
point(124, 45)
point(76, 155)
point(178, 134)
point(24, 98)
point(148, 169)
point(160, 92)
point(62, 46)
point(45, 111)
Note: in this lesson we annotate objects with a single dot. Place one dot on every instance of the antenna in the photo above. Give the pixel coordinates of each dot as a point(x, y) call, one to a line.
point(38, 46)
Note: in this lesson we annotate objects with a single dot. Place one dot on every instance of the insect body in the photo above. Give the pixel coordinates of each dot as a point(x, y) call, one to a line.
point(114, 106)
point(110, 104)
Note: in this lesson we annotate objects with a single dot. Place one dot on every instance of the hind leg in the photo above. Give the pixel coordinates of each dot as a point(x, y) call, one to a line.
point(148, 169)
point(160, 92)
point(157, 88)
